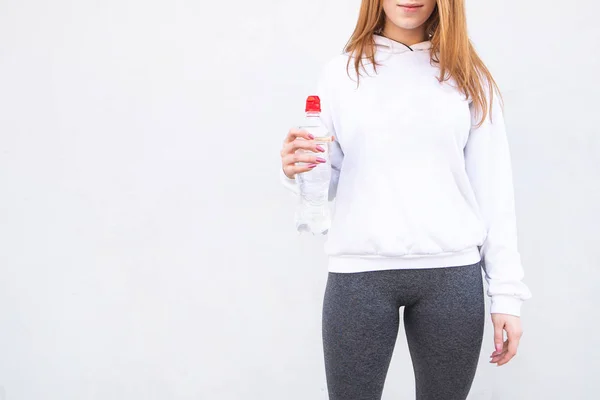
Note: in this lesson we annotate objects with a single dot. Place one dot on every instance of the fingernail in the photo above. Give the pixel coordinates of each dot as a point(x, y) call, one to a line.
point(311, 136)
point(312, 165)
point(321, 149)
point(321, 160)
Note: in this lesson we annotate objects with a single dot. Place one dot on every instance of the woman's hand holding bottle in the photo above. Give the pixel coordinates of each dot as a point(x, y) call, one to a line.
point(295, 140)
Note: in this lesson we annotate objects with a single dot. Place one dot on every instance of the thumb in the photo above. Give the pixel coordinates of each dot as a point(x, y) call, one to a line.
point(498, 337)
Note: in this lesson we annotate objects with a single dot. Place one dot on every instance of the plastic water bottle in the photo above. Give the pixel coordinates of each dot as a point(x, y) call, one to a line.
point(313, 214)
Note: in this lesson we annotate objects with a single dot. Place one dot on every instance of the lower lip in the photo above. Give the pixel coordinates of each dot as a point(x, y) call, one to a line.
point(410, 9)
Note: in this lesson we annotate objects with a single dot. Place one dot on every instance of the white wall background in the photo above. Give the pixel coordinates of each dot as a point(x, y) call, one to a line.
point(147, 249)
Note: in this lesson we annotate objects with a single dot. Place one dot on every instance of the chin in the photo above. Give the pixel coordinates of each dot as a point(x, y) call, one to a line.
point(408, 25)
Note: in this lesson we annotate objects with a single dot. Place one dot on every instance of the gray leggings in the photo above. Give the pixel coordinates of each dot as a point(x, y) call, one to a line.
point(443, 320)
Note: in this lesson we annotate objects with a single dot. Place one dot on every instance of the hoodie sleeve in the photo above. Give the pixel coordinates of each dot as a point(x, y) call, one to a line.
point(336, 155)
point(488, 166)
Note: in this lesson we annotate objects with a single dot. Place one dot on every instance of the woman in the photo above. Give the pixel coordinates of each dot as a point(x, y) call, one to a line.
point(423, 194)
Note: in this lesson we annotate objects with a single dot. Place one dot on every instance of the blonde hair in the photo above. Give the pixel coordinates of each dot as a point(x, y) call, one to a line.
point(451, 49)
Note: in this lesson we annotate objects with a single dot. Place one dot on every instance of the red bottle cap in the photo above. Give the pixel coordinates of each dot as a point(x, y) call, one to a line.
point(313, 104)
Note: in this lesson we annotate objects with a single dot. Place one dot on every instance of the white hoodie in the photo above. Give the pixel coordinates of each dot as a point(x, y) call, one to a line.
point(416, 184)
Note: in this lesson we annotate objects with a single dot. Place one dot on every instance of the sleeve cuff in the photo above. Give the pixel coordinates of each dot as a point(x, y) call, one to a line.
point(288, 183)
point(503, 304)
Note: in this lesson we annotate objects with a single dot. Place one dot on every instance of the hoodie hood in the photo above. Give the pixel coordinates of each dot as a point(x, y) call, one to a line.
point(388, 45)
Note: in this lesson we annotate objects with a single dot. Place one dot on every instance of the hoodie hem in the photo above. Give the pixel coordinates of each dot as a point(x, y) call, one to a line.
point(365, 263)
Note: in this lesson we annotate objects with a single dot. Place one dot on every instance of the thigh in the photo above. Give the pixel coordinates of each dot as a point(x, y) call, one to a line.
point(360, 326)
point(444, 328)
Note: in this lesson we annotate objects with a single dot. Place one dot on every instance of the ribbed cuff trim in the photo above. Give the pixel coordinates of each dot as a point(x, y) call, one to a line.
point(504, 304)
point(287, 182)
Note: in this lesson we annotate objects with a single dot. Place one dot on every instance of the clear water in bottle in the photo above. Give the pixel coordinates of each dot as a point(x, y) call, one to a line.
point(313, 214)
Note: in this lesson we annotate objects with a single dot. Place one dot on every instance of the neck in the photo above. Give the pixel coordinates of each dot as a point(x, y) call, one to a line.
point(405, 36)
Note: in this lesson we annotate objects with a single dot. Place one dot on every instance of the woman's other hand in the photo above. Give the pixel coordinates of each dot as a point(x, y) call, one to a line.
point(505, 350)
